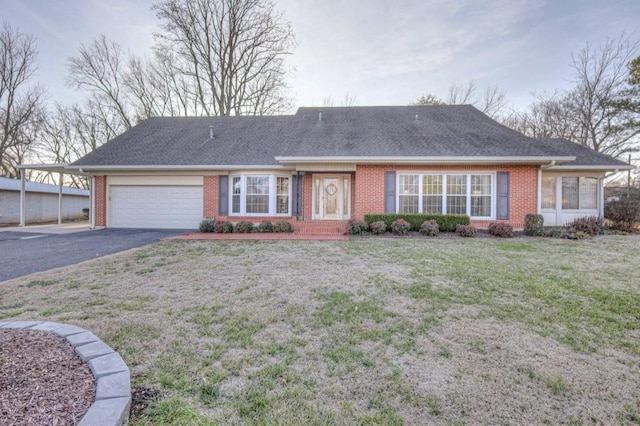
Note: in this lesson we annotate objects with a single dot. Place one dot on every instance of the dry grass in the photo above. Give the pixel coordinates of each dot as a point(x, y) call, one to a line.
point(371, 331)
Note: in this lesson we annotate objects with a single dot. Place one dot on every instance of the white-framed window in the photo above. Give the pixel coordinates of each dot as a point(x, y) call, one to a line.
point(260, 194)
point(472, 194)
point(579, 193)
point(548, 192)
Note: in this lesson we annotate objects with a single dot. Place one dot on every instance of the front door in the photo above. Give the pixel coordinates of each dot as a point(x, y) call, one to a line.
point(331, 197)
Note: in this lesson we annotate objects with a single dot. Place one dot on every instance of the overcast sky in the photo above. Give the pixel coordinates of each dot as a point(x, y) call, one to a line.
point(384, 52)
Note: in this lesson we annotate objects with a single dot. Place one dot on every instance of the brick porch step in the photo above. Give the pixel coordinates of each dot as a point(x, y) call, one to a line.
point(309, 227)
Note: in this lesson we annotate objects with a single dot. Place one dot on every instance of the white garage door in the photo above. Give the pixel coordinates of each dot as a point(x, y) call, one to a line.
point(178, 207)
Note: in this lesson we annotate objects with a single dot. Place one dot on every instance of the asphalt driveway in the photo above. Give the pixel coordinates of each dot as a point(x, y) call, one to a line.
point(23, 253)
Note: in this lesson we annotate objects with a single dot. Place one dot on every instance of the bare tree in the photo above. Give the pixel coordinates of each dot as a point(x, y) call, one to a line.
point(232, 50)
point(428, 99)
point(19, 102)
point(100, 68)
point(601, 78)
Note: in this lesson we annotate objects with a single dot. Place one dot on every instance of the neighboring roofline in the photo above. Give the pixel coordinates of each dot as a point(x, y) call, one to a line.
point(426, 160)
point(160, 167)
point(593, 167)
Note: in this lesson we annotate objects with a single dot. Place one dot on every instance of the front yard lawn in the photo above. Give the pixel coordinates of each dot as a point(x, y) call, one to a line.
point(370, 331)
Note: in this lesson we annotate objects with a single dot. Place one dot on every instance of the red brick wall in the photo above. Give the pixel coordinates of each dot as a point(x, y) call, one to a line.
point(101, 200)
point(210, 195)
point(523, 192)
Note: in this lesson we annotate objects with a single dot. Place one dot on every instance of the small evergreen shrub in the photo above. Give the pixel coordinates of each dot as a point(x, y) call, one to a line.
point(501, 229)
point(224, 227)
point(357, 227)
point(282, 227)
point(265, 227)
point(400, 227)
point(591, 225)
point(244, 227)
point(466, 231)
point(533, 225)
point(208, 225)
point(624, 215)
point(430, 228)
point(446, 222)
point(378, 227)
point(553, 231)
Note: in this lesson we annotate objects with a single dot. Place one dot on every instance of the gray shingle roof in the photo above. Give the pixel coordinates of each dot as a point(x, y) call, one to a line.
point(393, 131)
point(584, 156)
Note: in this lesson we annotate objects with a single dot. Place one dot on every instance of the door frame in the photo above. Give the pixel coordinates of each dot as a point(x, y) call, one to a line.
point(317, 206)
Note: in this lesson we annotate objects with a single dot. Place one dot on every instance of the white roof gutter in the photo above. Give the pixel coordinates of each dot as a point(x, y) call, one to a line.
point(90, 168)
point(425, 160)
point(601, 167)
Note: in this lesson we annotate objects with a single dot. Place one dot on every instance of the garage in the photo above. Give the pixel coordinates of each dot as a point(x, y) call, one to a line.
point(155, 206)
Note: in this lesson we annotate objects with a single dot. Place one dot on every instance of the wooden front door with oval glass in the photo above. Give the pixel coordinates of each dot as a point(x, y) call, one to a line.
point(331, 197)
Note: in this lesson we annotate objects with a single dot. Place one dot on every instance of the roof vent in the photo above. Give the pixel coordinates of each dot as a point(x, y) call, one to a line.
point(210, 132)
point(416, 119)
point(319, 115)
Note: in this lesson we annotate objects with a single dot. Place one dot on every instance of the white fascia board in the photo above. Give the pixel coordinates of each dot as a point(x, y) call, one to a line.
point(425, 160)
point(169, 168)
point(603, 167)
point(55, 168)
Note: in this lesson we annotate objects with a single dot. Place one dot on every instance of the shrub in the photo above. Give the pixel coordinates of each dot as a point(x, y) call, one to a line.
point(533, 225)
point(244, 227)
point(553, 231)
point(591, 225)
point(624, 215)
point(446, 222)
point(501, 229)
point(378, 227)
point(400, 227)
point(466, 230)
point(357, 227)
point(282, 227)
point(208, 225)
point(265, 227)
point(224, 227)
point(429, 228)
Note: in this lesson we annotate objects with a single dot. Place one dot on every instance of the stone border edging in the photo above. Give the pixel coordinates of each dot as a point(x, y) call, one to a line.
point(113, 386)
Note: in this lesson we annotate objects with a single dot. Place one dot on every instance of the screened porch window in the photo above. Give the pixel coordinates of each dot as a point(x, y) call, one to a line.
point(579, 193)
point(548, 192)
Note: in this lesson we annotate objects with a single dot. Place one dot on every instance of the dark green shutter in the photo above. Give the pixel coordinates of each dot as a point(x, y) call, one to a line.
point(389, 192)
point(502, 188)
point(223, 195)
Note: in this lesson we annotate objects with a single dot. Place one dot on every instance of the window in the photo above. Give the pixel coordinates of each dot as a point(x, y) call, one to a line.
point(260, 194)
point(470, 194)
point(457, 194)
point(432, 193)
point(579, 193)
point(480, 195)
point(548, 192)
point(408, 202)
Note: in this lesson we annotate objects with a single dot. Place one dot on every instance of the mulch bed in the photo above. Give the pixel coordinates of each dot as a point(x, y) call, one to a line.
point(42, 380)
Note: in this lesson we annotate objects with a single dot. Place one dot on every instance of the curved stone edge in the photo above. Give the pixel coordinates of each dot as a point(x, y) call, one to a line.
point(113, 382)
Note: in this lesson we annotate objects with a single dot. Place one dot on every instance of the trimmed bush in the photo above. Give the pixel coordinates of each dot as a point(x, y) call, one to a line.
point(533, 225)
point(357, 227)
point(400, 227)
point(244, 227)
point(591, 225)
point(624, 215)
point(466, 231)
point(378, 227)
point(501, 229)
point(224, 227)
point(208, 225)
point(430, 228)
point(265, 227)
point(446, 222)
point(282, 227)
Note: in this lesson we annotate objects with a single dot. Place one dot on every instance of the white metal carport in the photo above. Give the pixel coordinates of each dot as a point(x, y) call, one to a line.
point(61, 169)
